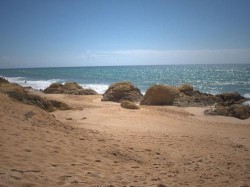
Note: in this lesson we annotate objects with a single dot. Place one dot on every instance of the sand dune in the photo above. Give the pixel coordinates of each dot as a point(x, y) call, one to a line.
point(101, 144)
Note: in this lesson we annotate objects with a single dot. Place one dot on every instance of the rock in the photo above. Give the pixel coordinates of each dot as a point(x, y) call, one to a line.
point(231, 98)
point(217, 110)
point(195, 99)
point(160, 95)
point(71, 86)
point(55, 88)
point(129, 105)
point(185, 88)
point(122, 91)
point(56, 85)
point(3, 81)
point(236, 110)
point(68, 88)
point(239, 111)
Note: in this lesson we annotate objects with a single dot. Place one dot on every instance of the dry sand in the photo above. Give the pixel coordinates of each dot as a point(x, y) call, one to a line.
point(101, 144)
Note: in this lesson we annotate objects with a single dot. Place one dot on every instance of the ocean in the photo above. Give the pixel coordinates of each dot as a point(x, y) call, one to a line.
point(212, 79)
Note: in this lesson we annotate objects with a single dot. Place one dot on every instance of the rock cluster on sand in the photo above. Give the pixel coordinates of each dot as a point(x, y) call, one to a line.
point(129, 105)
point(182, 96)
point(17, 92)
point(122, 91)
point(230, 104)
point(68, 88)
point(226, 104)
point(160, 95)
point(234, 110)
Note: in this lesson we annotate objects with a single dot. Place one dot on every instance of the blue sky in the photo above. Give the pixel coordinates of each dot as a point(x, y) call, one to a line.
point(56, 33)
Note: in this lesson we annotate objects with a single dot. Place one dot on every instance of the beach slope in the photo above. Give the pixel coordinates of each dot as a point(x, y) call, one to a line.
point(99, 143)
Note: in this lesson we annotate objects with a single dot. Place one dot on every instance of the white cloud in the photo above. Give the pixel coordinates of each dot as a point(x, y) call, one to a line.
point(5, 58)
point(88, 55)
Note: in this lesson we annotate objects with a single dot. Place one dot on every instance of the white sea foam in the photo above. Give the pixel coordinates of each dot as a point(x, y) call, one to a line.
point(213, 92)
point(42, 84)
point(39, 84)
point(99, 88)
point(247, 103)
point(247, 95)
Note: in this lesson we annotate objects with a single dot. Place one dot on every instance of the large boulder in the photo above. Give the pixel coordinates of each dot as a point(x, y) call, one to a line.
point(68, 88)
point(122, 91)
point(160, 95)
point(55, 88)
point(129, 105)
point(71, 86)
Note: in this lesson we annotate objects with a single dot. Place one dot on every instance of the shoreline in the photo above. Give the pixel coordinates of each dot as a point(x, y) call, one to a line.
point(99, 88)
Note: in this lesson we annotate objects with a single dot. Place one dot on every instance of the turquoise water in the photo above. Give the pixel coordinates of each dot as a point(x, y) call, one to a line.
point(207, 78)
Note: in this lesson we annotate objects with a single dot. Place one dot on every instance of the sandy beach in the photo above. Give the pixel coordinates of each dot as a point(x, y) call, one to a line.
point(101, 144)
point(124, 93)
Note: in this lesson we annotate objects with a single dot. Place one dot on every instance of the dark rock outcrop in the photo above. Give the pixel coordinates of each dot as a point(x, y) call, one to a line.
point(235, 110)
point(217, 110)
point(239, 111)
point(195, 99)
point(68, 88)
point(231, 98)
point(129, 105)
point(190, 97)
point(122, 91)
point(160, 95)
point(230, 104)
